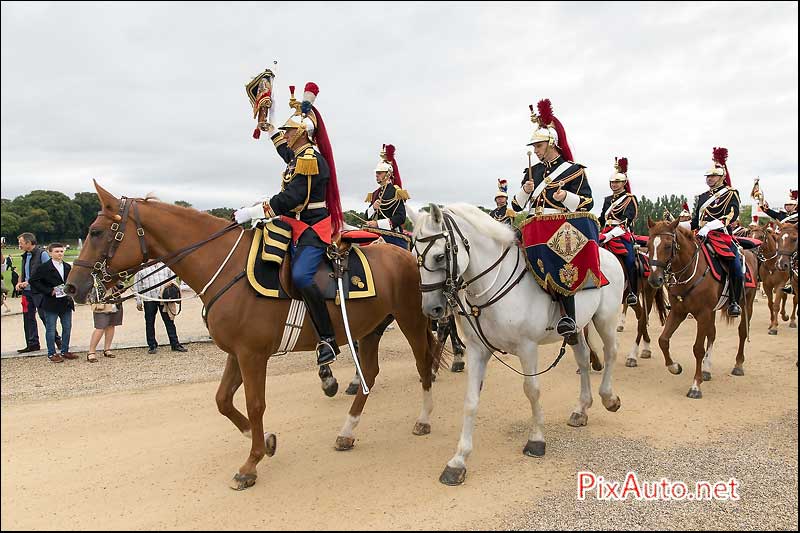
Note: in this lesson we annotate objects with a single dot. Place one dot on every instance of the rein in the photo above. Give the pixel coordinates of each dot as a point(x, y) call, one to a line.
point(672, 277)
point(100, 269)
point(454, 283)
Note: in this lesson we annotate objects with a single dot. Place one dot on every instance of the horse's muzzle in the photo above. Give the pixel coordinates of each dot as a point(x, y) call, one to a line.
point(656, 280)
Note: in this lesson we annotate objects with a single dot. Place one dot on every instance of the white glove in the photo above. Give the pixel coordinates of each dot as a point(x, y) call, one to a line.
point(685, 224)
point(714, 224)
point(605, 238)
point(616, 231)
point(247, 214)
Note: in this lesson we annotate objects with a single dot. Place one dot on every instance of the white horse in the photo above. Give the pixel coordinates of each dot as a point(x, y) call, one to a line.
point(461, 243)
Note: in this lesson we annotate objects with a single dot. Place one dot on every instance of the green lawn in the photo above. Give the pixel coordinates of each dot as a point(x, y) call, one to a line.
point(16, 259)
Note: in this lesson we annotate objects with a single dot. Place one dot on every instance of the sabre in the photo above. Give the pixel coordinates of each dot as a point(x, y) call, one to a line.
point(529, 179)
point(364, 387)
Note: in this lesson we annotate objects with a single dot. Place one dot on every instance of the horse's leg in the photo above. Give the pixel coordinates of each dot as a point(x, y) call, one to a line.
point(638, 309)
point(674, 320)
point(228, 385)
point(783, 298)
point(254, 376)
point(773, 301)
point(368, 358)
point(415, 328)
point(597, 365)
point(793, 321)
point(744, 327)
point(621, 324)
point(650, 297)
point(530, 360)
point(458, 347)
point(605, 327)
point(712, 336)
point(456, 469)
point(579, 417)
point(705, 325)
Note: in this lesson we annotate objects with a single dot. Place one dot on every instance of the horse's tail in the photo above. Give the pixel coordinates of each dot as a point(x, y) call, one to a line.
point(661, 305)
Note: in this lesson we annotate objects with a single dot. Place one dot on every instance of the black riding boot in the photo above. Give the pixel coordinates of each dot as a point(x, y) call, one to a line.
point(734, 309)
point(566, 326)
point(633, 287)
point(327, 348)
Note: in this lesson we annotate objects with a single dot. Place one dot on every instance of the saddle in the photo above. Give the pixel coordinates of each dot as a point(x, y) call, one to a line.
point(269, 269)
point(718, 268)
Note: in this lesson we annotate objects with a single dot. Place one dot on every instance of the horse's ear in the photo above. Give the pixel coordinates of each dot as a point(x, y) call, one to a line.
point(109, 204)
point(674, 224)
point(437, 213)
point(650, 222)
point(413, 214)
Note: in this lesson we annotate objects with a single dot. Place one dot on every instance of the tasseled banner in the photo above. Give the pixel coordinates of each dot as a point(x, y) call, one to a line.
point(256, 133)
point(306, 165)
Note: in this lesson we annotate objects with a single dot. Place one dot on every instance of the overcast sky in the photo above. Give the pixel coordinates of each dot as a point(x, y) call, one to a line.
point(150, 97)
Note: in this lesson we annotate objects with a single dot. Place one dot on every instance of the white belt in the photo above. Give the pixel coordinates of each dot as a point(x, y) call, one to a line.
point(613, 222)
point(317, 205)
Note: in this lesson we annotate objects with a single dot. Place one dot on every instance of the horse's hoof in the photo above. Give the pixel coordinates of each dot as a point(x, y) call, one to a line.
point(421, 428)
point(457, 366)
point(675, 369)
point(614, 405)
point(597, 366)
point(331, 389)
point(630, 363)
point(352, 389)
point(706, 376)
point(344, 443)
point(243, 481)
point(785, 318)
point(577, 420)
point(271, 443)
point(773, 332)
point(534, 448)
point(695, 394)
point(646, 354)
point(737, 371)
point(793, 325)
point(453, 476)
point(620, 329)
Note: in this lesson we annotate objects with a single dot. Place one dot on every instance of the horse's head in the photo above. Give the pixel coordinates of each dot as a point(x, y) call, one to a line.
point(787, 245)
point(442, 258)
point(106, 254)
point(662, 246)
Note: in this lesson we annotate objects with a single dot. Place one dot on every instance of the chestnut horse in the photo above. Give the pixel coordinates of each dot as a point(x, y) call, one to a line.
point(772, 279)
point(246, 326)
point(787, 262)
point(676, 258)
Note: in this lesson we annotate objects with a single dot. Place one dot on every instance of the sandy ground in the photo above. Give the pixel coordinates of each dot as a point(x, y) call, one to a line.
point(137, 443)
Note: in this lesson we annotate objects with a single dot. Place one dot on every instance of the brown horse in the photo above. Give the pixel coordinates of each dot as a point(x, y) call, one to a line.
point(787, 262)
point(676, 258)
point(248, 327)
point(772, 279)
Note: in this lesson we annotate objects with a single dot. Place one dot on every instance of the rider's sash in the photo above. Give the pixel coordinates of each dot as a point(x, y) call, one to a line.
point(614, 204)
point(713, 198)
point(560, 169)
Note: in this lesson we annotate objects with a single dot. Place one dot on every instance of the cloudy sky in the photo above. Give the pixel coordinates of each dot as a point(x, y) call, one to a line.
point(150, 97)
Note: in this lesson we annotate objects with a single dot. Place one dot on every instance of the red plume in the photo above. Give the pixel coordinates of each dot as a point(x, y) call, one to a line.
point(332, 192)
point(395, 171)
point(720, 156)
point(685, 206)
point(622, 163)
point(311, 87)
point(546, 118)
point(793, 194)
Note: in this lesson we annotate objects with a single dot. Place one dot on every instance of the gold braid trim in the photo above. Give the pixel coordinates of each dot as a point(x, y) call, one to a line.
point(562, 216)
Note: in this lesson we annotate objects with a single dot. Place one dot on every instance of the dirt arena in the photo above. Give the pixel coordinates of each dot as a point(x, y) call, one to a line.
point(137, 443)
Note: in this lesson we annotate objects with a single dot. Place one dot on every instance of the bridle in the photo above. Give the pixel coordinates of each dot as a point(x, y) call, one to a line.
point(672, 277)
point(100, 269)
point(454, 282)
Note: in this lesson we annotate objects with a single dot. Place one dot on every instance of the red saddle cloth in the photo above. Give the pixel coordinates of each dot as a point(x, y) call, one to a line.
point(358, 236)
point(616, 245)
point(718, 271)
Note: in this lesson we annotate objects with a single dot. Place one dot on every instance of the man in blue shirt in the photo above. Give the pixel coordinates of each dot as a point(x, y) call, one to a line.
point(32, 259)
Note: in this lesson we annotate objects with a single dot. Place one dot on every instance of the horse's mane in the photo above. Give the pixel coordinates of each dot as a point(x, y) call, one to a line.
point(484, 223)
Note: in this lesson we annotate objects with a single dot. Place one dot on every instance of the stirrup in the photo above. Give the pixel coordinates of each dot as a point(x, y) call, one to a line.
point(631, 299)
point(566, 326)
point(734, 310)
point(326, 354)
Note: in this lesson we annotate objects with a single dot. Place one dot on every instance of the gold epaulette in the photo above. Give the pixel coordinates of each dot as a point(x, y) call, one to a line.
point(510, 213)
point(401, 193)
point(307, 163)
point(368, 199)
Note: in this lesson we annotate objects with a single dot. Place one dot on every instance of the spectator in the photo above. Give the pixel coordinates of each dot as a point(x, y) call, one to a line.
point(32, 258)
point(48, 281)
point(148, 289)
point(3, 288)
point(106, 318)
